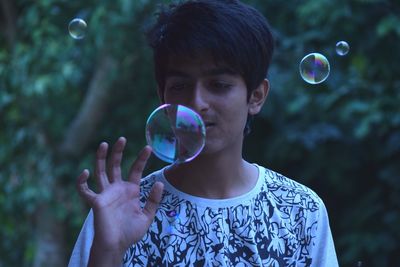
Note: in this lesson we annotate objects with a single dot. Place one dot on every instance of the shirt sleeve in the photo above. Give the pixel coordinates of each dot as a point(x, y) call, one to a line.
point(81, 251)
point(323, 251)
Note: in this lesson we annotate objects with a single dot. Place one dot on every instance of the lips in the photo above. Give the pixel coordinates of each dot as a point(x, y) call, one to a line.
point(209, 124)
point(209, 121)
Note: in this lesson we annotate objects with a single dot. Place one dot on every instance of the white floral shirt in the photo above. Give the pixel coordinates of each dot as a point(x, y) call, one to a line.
point(278, 223)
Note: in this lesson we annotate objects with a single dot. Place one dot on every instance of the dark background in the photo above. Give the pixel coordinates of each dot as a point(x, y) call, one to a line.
point(60, 97)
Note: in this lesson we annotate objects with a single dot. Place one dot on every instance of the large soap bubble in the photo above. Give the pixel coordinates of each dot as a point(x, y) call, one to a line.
point(176, 133)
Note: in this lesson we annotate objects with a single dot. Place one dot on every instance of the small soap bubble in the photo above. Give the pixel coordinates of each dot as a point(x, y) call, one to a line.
point(342, 48)
point(314, 68)
point(77, 28)
point(176, 133)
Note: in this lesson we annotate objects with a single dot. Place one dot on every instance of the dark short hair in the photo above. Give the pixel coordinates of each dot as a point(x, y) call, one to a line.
point(230, 31)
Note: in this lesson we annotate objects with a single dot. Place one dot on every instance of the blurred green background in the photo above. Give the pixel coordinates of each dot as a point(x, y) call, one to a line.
point(60, 97)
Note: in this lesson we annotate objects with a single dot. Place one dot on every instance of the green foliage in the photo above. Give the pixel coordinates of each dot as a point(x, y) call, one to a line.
point(45, 76)
point(341, 138)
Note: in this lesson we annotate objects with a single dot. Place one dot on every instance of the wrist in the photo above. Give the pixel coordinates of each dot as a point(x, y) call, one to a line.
point(100, 256)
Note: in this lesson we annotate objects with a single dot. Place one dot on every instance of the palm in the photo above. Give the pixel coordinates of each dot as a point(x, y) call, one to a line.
point(117, 210)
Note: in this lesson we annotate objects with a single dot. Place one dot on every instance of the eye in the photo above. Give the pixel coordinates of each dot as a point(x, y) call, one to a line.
point(220, 86)
point(176, 88)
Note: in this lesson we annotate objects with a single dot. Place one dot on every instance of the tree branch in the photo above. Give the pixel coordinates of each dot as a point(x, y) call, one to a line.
point(92, 109)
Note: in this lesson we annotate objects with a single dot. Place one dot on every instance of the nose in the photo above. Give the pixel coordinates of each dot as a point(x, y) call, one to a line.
point(199, 99)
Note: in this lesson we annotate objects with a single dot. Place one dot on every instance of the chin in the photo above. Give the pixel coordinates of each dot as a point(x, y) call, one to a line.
point(211, 148)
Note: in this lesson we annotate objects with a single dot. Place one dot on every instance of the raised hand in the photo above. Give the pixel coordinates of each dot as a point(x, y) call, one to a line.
point(119, 220)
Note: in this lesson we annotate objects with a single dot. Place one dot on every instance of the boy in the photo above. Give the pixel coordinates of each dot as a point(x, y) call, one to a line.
point(218, 209)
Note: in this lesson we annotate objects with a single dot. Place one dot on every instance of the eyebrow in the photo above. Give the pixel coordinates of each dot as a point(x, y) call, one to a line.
point(208, 72)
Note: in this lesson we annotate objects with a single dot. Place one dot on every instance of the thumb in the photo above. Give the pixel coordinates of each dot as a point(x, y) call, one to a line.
point(153, 200)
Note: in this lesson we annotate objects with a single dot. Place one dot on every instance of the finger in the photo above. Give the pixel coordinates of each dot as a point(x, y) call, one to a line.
point(135, 173)
point(101, 158)
point(116, 158)
point(83, 189)
point(153, 200)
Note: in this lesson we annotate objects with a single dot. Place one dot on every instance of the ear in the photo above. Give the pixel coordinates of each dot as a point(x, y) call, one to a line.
point(258, 97)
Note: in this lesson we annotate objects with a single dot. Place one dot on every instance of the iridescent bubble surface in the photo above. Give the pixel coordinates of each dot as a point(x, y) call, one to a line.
point(342, 48)
point(77, 28)
point(176, 133)
point(314, 68)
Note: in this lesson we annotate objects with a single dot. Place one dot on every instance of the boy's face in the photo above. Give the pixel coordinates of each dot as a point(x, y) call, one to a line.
point(217, 94)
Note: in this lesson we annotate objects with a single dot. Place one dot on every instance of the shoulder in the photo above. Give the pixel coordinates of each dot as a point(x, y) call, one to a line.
point(280, 181)
point(148, 181)
point(286, 191)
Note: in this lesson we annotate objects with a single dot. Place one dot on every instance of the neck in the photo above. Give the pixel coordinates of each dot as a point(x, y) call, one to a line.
point(214, 176)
